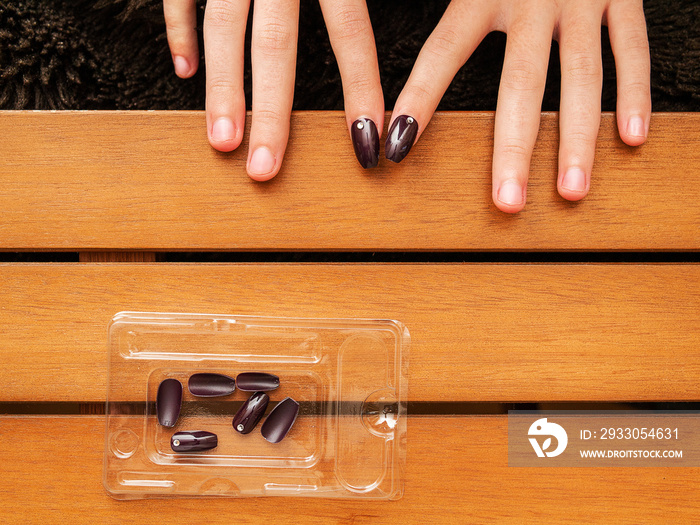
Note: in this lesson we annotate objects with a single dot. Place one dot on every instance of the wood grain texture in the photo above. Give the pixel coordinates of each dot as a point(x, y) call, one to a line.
point(479, 332)
point(145, 181)
point(456, 472)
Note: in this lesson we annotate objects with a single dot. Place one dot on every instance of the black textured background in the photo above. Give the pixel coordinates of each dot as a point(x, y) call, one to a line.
point(112, 54)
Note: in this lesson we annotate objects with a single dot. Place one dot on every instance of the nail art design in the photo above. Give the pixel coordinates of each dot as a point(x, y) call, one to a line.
point(193, 441)
point(168, 402)
point(365, 140)
point(401, 137)
point(280, 420)
point(255, 381)
point(250, 413)
point(211, 385)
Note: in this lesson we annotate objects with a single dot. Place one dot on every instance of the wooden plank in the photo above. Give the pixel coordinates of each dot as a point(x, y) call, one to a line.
point(456, 472)
point(146, 181)
point(479, 332)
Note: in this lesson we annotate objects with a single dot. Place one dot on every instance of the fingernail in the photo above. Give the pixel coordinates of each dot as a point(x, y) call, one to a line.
point(365, 140)
point(193, 441)
point(182, 66)
point(211, 385)
point(261, 162)
point(254, 381)
point(635, 127)
point(250, 412)
point(223, 130)
point(402, 135)
point(574, 180)
point(511, 193)
point(280, 420)
point(168, 402)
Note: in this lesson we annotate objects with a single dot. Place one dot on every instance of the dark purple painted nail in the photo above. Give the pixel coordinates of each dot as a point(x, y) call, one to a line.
point(365, 139)
point(256, 381)
point(402, 135)
point(193, 441)
point(250, 412)
point(168, 402)
point(280, 420)
point(211, 385)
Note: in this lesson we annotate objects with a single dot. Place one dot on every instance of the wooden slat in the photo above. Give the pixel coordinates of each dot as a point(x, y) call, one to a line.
point(145, 181)
point(456, 472)
point(479, 332)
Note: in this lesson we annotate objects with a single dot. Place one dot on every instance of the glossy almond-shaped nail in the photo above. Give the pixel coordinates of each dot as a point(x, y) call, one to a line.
point(250, 412)
point(211, 385)
point(193, 441)
point(402, 135)
point(280, 420)
point(168, 402)
point(256, 381)
point(365, 140)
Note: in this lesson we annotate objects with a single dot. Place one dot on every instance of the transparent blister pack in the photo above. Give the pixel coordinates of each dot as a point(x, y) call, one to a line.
point(349, 377)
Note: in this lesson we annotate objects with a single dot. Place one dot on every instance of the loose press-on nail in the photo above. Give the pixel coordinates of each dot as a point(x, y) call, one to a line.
point(168, 402)
point(211, 385)
point(280, 420)
point(250, 412)
point(254, 381)
point(193, 441)
point(402, 135)
point(365, 140)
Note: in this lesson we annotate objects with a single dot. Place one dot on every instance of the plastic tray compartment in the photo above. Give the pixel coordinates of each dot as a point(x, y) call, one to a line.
point(349, 377)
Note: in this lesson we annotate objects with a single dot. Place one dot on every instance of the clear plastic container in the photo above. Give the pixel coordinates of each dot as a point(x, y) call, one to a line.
point(348, 375)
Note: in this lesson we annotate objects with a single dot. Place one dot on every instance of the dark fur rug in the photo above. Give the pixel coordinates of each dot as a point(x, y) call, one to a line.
point(112, 54)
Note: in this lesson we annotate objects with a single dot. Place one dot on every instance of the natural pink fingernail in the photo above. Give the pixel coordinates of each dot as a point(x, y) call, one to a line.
point(635, 127)
point(182, 66)
point(511, 193)
point(261, 162)
point(574, 180)
point(222, 130)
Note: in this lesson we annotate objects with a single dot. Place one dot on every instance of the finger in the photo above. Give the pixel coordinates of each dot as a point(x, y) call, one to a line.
point(181, 28)
point(224, 37)
point(273, 56)
point(519, 104)
point(581, 86)
point(350, 32)
point(444, 53)
point(630, 45)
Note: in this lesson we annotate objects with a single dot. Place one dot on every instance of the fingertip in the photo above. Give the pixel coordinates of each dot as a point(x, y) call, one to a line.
point(262, 164)
point(634, 130)
point(574, 184)
point(509, 196)
point(184, 68)
point(224, 135)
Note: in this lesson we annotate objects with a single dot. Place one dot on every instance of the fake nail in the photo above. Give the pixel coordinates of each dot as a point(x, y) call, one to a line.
point(256, 381)
point(211, 385)
point(280, 420)
point(168, 402)
point(194, 441)
point(250, 412)
point(365, 140)
point(402, 135)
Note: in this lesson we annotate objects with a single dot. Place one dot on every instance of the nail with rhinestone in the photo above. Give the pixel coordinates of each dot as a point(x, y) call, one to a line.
point(250, 412)
point(402, 135)
point(193, 441)
point(365, 140)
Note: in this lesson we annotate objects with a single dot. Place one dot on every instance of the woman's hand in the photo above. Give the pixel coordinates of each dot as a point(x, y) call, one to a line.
point(273, 57)
point(531, 25)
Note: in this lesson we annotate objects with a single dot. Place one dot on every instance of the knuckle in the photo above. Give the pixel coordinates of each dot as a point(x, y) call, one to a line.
point(219, 14)
point(360, 84)
point(418, 91)
point(351, 22)
point(269, 115)
point(522, 75)
point(445, 42)
point(274, 37)
point(517, 148)
point(582, 67)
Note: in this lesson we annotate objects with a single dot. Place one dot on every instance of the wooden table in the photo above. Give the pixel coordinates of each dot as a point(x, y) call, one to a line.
point(590, 304)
